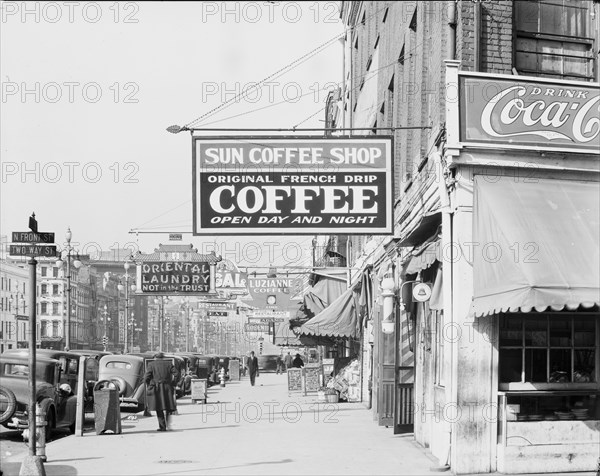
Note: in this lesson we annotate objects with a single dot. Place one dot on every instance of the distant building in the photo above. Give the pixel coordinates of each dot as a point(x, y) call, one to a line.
point(14, 303)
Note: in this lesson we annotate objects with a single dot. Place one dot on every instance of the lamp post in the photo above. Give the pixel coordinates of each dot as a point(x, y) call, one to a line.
point(126, 265)
point(132, 324)
point(186, 305)
point(105, 336)
point(161, 318)
point(77, 264)
point(168, 326)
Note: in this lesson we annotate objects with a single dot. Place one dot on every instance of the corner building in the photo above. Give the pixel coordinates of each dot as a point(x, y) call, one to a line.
point(494, 110)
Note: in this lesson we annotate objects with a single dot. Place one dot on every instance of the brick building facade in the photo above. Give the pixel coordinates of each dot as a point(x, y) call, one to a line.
point(417, 71)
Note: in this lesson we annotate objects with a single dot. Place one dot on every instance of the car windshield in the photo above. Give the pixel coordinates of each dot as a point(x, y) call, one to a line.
point(118, 365)
point(21, 370)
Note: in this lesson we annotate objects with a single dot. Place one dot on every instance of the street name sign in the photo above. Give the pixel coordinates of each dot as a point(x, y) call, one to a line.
point(45, 251)
point(31, 237)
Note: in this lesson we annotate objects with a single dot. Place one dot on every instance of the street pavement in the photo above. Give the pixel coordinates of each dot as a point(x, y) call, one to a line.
point(245, 430)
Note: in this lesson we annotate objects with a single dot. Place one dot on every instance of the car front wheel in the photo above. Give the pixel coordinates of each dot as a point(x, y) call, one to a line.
point(8, 404)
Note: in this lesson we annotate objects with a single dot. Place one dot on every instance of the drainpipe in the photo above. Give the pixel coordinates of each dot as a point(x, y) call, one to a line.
point(447, 270)
point(477, 37)
point(452, 28)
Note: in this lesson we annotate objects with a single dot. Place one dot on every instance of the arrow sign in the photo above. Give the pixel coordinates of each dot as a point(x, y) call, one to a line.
point(31, 237)
point(46, 251)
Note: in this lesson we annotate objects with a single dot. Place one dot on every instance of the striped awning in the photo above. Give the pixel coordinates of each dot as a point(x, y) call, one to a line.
point(539, 245)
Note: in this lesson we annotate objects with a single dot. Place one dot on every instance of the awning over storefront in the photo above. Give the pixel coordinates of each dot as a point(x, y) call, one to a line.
point(427, 226)
point(423, 257)
point(339, 319)
point(536, 245)
point(326, 290)
point(285, 336)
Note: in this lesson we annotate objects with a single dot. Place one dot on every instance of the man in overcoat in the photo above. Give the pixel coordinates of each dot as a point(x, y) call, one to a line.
point(288, 361)
point(252, 366)
point(160, 377)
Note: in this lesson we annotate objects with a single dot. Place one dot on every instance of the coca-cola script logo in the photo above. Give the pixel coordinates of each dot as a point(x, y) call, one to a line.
point(524, 113)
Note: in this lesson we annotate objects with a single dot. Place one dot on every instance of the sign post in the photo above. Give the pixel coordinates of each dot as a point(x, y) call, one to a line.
point(32, 464)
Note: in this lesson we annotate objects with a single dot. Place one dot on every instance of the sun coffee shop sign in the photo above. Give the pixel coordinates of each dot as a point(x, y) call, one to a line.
point(297, 185)
point(532, 113)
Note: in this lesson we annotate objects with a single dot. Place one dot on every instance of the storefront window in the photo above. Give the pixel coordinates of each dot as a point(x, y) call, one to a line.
point(551, 348)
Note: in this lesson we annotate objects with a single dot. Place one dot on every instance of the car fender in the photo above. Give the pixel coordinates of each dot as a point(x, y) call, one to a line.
point(47, 405)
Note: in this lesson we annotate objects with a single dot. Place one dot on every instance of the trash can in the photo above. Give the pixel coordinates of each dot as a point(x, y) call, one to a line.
point(107, 411)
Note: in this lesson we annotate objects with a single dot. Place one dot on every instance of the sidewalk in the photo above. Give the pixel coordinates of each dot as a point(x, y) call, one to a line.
point(242, 429)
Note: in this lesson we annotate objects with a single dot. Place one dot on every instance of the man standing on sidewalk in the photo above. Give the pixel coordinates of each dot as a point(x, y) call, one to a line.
point(288, 361)
point(252, 366)
point(159, 379)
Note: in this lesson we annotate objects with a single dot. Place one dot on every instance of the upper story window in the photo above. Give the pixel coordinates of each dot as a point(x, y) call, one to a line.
point(555, 39)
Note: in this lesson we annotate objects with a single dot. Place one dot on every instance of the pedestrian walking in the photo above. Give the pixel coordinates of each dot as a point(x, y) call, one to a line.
point(252, 366)
point(160, 377)
point(279, 362)
point(298, 362)
point(288, 361)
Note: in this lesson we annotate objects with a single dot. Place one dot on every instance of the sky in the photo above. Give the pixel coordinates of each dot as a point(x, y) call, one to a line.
point(88, 90)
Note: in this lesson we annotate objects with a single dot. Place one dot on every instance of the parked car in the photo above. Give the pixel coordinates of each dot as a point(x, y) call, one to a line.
point(56, 399)
point(267, 363)
point(69, 362)
point(126, 374)
point(205, 365)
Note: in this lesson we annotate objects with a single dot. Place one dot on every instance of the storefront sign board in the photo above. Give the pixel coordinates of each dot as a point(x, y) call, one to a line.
point(174, 277)
point(294, 380)
point(312, 378)
point(292, 185)
point(517, 112)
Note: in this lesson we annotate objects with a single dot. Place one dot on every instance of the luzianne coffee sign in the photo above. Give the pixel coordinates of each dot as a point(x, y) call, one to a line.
point(308, 185)
point(530, 112)
point(174, 277)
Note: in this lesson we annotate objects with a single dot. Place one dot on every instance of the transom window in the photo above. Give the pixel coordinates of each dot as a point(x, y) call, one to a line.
point(551, 349)
point(554, 38)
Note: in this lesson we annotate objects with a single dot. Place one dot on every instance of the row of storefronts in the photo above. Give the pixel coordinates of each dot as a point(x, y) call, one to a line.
point(477, 323)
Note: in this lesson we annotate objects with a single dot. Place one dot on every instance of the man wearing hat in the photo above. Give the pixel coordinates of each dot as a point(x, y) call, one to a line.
point(160, 378)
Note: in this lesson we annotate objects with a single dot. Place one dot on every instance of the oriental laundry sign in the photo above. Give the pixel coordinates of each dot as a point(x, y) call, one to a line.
point(530, 112)
point(174, 277)
point(294, 185)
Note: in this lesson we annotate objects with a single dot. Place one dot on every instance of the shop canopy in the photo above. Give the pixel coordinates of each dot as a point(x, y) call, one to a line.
point(326, 290)
point(536, 245)
point(339, 319)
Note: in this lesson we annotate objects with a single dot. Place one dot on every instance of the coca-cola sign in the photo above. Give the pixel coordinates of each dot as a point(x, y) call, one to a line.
point(531, 113)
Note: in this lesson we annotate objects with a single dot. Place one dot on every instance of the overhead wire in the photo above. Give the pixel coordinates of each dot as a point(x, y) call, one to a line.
point(283, 70)
point(309, 93)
